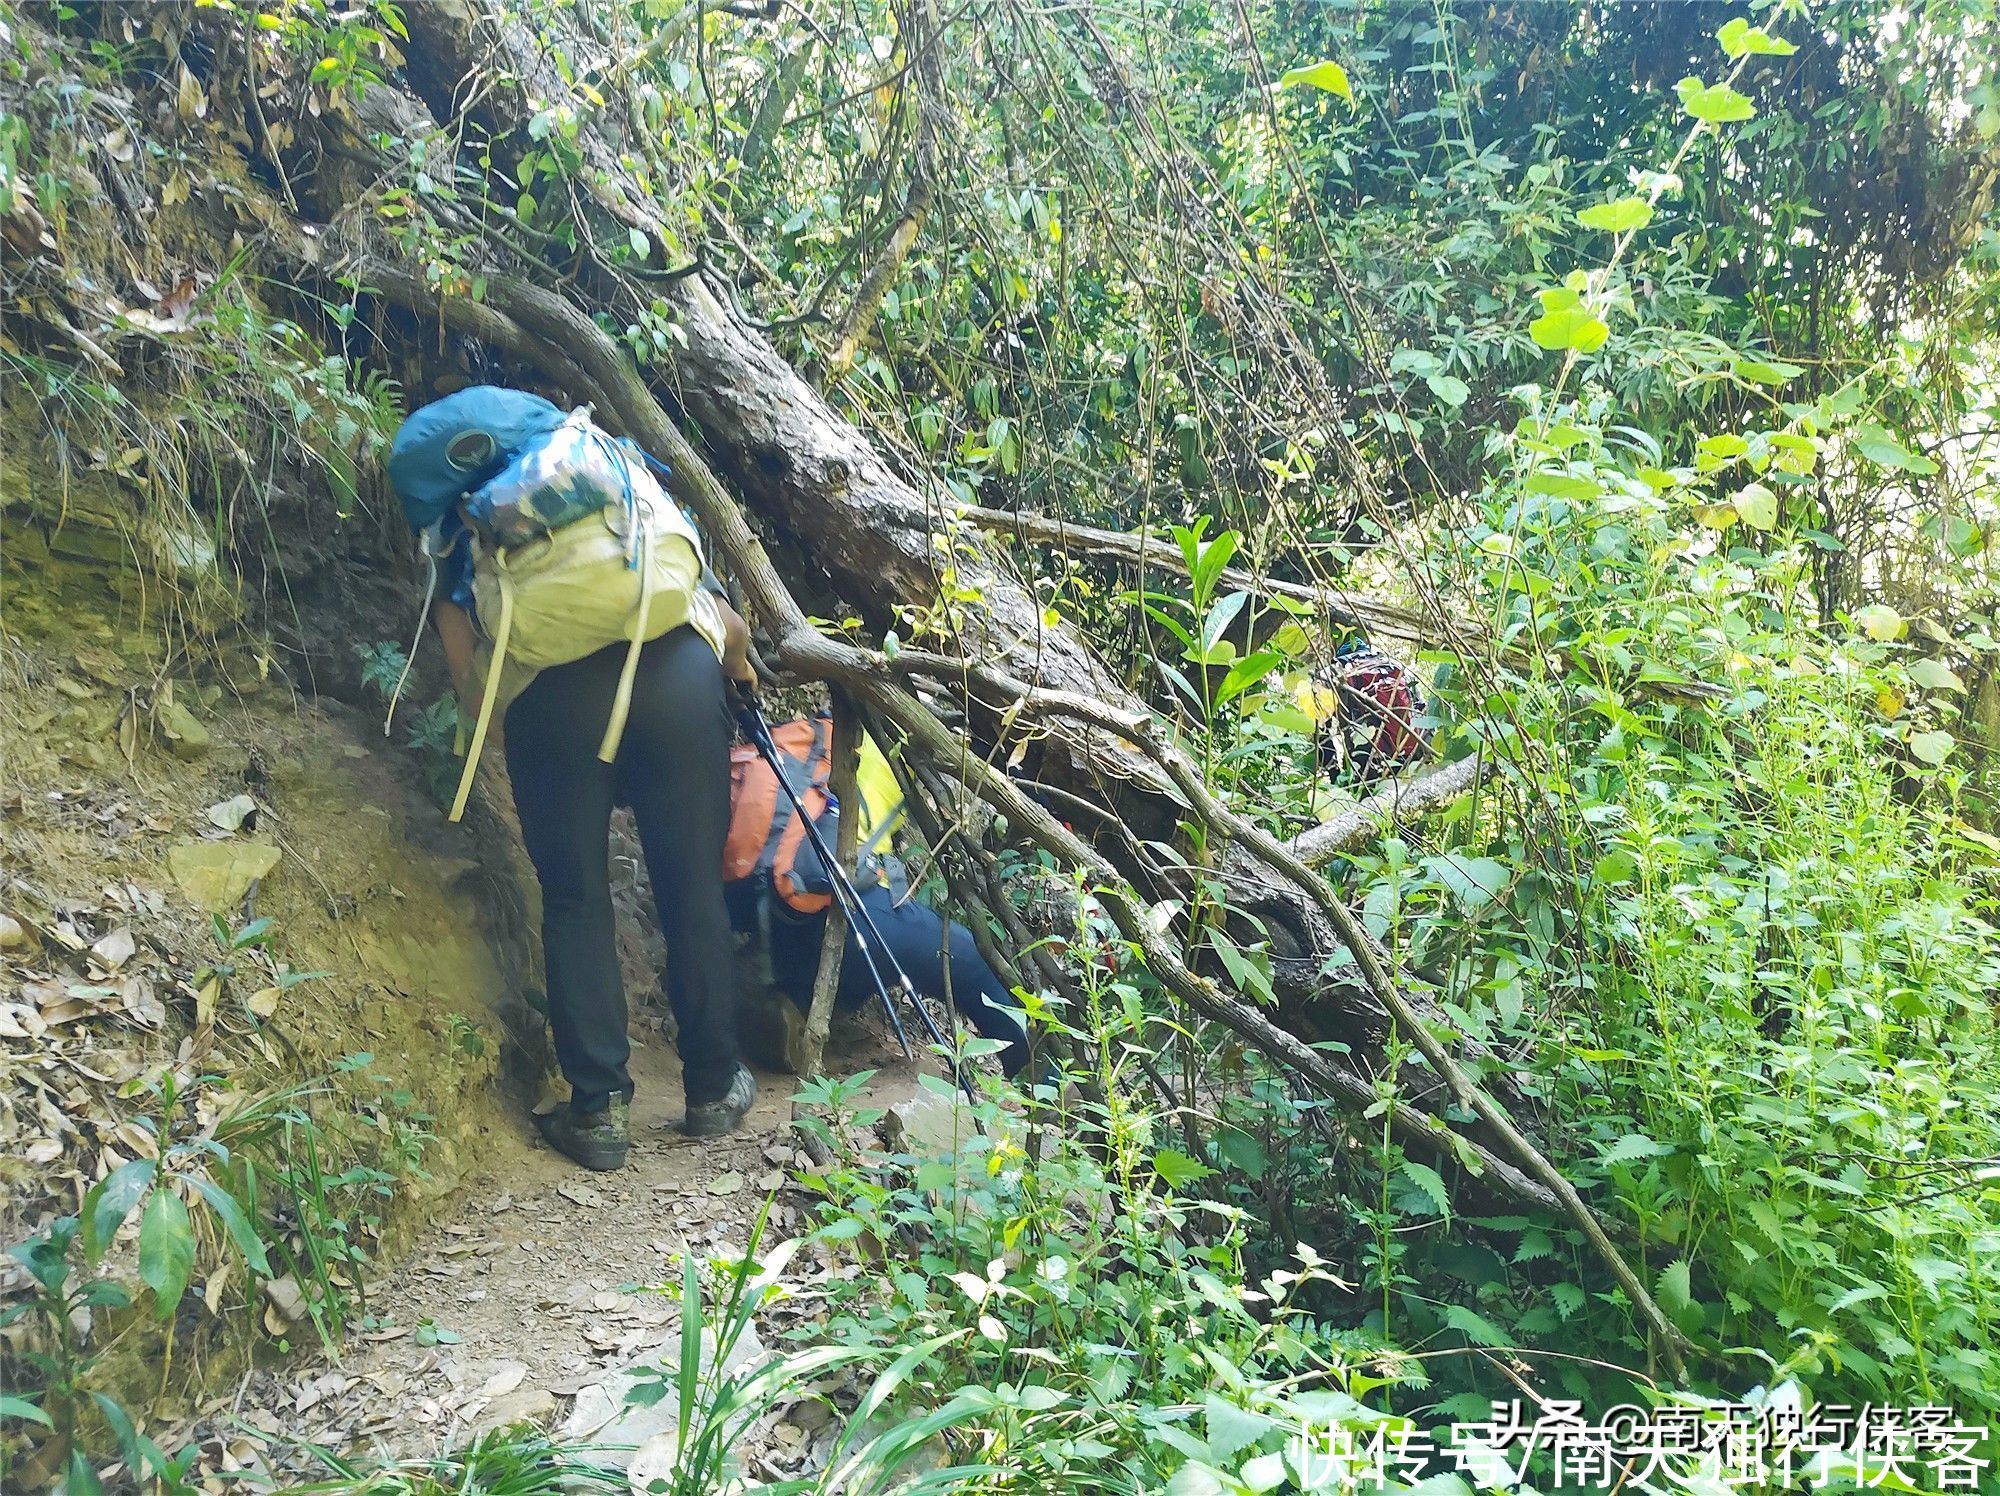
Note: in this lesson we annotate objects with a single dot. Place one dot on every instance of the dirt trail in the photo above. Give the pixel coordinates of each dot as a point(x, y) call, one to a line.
point(533, 1285)
point(525, 1286)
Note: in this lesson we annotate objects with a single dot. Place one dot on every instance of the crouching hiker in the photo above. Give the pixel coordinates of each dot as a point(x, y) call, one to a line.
point(779, 893)
point(570, 600)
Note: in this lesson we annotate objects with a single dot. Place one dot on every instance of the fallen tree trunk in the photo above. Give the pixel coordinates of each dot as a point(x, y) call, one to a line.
point(895, 549)
point(891, 549)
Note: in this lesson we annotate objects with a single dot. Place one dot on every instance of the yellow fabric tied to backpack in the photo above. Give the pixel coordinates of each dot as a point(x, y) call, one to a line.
point(570, 593)
point(881, 794)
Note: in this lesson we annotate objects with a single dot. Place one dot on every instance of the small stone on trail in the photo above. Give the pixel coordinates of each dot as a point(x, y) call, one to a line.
point(186, 738)
point(928, 1124)
point(501, 1206)
point(725, 1184)
point(214, 876)
point(505, 1378)
point(115, 949)
point(286, 1297)
point(529, 1405)
point(579, 1194)
point(232, 814)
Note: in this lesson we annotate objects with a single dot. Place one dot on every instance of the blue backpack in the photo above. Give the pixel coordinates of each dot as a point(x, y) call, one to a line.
point(454, 445)
point(517, 469)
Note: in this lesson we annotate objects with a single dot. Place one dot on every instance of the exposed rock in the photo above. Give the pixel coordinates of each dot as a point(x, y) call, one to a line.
point(928, 1124)
point(186, 738)
point(771, 1030)
point(214, 876)
point(535, 1405)
point(602, 1416)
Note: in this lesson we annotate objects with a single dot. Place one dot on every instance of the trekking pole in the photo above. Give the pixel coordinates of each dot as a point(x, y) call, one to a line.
point(867, 934)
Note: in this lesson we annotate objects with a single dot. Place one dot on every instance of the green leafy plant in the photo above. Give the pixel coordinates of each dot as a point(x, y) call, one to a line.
point(61, 1405)
point(720, 1393)
point(500, 1462)
point(382, 666)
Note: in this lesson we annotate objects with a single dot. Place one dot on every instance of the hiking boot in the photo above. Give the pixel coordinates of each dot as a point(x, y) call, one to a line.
point(711, 1119)
point(597, 1140)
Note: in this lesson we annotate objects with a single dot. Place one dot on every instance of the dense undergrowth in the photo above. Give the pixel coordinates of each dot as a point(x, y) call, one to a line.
point(1661, 408)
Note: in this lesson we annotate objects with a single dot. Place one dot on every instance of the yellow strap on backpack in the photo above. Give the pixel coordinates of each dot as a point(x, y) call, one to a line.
point(492, 691)
point(621, 703)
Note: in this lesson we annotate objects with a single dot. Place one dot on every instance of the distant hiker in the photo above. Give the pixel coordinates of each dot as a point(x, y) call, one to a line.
point(779, 893)
point(1376, 728)
point(573, 609)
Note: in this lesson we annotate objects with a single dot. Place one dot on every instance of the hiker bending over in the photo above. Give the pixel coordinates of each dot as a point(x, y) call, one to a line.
point(778, 891)
point(572, 608)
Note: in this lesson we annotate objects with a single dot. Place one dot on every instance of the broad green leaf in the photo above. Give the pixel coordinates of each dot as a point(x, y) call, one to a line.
point(1766, 371)
point(141, 1454)
point(1566, 323)
point(1178, 1169)
point(1474, 1327)
point(1633, 1146)
point(1715, 516)
point(1241, 1150)
point(1194, 1479)
point(1231, 1429)
point(1862, 1294)
point(1218, 620)
point(1326, 74)
point(21, 1408)
point(1264, 1473)
point(80, 1476)
point(1474, 882)
point(1428, 1180)
point(1935, 675)
point(110, 1201)
point(1932, 748)
point(1717, 103)
point(1740, 39)
point(1568, 1298)
point(1880, 622)
point(1674, 1288)
point(166, 1249)
point(1756, 506)
point(1935, 1272)
point(1449, 388)
point(236, 1223)
point(641, 245)
point(1245, 673)
point(1879, 447)
point(1562, 486)
point(1617, 217)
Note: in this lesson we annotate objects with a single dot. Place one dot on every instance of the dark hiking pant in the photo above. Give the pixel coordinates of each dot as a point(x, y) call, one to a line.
point(673, 770)
point(925, 944)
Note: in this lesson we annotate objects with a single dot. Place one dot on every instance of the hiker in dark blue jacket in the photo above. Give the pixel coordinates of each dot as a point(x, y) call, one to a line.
point(660, 706)
point(938, 955)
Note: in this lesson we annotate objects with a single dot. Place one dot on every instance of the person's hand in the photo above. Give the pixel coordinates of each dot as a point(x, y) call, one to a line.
point(736, 647)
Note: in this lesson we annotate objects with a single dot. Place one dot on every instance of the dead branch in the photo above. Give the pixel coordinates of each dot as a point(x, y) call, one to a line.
point(1402, 798)
point(1342, 604)
point(1141, 728)
point(847, 837)
point(921, 41)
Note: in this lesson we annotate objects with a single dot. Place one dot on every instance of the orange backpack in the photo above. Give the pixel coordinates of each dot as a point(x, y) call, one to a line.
point(766, 837)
